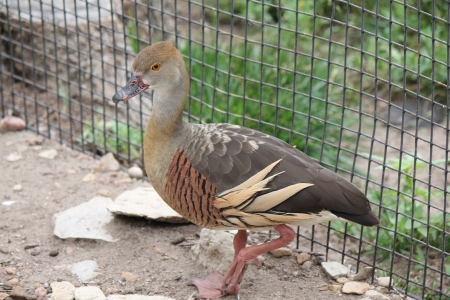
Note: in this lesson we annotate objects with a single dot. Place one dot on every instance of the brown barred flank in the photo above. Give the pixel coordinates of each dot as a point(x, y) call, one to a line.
point(190, 194)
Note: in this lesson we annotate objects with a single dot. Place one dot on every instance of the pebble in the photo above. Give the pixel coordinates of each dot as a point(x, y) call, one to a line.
point(178, 240)
point(17, 188)
point(7, 285)
point(8, 202)
point(127, 276)
point(14, 157)
point(105, 193)
point(54, 253)
point(3, 296)
point(11, 123)
point(383, 281)
point(48, 154)
point(135, 172)
point(374, 295)
point(10, 271)
point(19, 292)
point(363, 274)
point(342, 280)
point(109, 163)
point(13, 281)
point(353, 287)
point(335, 287)
point(303, 257)
point(307, 265)
point(40, 292)
point(89, 177)
point(280, 252)
point(335, 269)
point(89, 293)
point(62, 290)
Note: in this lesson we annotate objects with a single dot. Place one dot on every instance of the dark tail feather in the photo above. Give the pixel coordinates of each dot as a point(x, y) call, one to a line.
point(369, 219)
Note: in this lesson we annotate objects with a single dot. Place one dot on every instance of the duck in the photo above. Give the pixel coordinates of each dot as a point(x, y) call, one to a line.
point(229, 177)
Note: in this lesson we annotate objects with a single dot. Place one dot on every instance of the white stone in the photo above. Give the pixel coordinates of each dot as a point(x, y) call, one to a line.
point(109, 162)
point(374, 295)
point(48, 154)
point(135, 172)
point(17, 188)
point(137, 297)
point(89, 293)
point(334, 269)
point(86, 220)
point(383, 281)
point(214, 249)
point(145, 202)
point(8, 202)
point(85, 270)
point(354, 287)
point(14, 157)
point(62, 291)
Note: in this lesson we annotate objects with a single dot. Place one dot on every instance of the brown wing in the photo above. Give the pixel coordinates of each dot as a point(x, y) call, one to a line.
point(228, 155)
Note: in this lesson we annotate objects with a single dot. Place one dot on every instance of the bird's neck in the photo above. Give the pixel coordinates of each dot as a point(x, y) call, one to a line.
point(168, 104)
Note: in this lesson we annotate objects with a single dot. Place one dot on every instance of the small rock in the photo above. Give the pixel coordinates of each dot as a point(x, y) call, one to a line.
point(303, 257)
point(334, 288)
point(214, 249)
point(127, 276)
point(40, 292)
point(3, 296)
point(374, 295)
point(307, 265)
point(7, 285)
point(335, 269)
point(10, 271)
point(135, 172)
point(109, 163)
point(159, 251)
point(178, 240)
point(89, 293)
point(71, 171)
point(353, 287)
point(280, 252)
point(89, 177)
point(19, 293)
point(11, 123)
point(85, 270)
point(383, 281)
point(35, 252)
point(318, 260)
point(342, 280)
point(54, 253)
point(13, 281)
point(62, 291)
point(17, 188)
point(48, 154)
point(14, 157)
point(8, 202)
point(363, 274)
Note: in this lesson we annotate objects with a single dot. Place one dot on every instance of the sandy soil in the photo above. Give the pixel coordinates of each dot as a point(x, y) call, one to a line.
point(51, 186)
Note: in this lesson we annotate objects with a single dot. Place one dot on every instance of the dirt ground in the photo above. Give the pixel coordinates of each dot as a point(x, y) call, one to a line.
point(51, 186)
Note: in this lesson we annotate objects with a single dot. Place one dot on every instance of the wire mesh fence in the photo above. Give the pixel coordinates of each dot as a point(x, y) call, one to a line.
point(360, 86)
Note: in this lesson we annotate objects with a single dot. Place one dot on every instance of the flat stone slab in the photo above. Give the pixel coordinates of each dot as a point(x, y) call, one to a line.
point(85, 270)
point(144, 202)
point(334, 269)
point(86, 221)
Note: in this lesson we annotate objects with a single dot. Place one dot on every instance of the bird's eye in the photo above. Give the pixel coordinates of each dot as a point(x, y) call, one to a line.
point(156, 67)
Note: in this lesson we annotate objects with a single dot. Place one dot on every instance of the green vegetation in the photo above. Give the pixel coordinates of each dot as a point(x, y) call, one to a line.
point(415, 226)
point(113, 136)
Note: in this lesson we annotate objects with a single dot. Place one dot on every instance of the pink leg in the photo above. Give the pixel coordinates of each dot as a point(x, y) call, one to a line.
point(211, 285)
point(216, 286)
point(247, 255)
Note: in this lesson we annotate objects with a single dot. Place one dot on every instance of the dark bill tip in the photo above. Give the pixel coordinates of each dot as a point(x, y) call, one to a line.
point(134, 87)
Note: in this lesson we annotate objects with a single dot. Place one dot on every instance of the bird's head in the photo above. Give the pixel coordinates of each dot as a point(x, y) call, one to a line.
point(156, 66)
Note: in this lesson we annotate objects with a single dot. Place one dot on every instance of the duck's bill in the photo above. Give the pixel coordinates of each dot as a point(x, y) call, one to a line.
point(134, 87)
